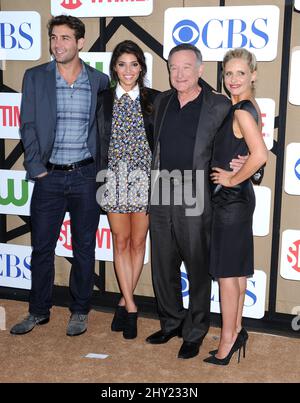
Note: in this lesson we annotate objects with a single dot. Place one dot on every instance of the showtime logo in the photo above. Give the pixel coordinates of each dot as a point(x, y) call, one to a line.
point(103, 237)
point(290, 255)
point(65, 237)
point(71, 4)
point(10, 115)
point(104, 245)
point(267, 107)
point(293, 256)
point(102, 8)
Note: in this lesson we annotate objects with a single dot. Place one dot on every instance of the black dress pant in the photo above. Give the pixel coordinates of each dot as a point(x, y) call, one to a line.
point(177, 238)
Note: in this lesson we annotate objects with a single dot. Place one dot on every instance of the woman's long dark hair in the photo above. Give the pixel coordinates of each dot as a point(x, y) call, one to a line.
point(131, 48)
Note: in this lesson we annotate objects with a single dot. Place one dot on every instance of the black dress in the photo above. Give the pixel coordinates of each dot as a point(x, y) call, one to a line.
point(233, 207)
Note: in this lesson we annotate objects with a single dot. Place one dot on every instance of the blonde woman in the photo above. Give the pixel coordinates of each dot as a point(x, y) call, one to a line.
point(234, 200)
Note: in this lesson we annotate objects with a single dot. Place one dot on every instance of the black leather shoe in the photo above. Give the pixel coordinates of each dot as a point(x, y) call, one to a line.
point(160, 337)
point(188, 350)
point(27, 324)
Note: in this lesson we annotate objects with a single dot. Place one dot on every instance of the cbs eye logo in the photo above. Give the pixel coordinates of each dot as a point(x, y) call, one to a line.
point(184, 284)
point(297, 169)
point(186, 31)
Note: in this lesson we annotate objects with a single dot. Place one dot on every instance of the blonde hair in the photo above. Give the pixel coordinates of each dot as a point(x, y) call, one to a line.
point(241, 53)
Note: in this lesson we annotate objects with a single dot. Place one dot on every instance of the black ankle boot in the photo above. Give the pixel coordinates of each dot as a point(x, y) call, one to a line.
point(119, 319)
point(130, 329)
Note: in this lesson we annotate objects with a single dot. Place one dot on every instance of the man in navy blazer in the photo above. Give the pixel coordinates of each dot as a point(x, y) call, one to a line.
point(58, 131)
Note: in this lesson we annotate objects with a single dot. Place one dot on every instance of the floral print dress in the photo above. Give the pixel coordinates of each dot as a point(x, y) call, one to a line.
point(129, 160)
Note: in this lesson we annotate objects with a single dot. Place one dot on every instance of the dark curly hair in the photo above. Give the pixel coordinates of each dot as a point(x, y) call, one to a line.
point(72, 22)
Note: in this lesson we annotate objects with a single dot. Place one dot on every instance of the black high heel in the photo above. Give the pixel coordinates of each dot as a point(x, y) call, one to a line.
point(119, 319)
point(243, 332)
point(239, 343)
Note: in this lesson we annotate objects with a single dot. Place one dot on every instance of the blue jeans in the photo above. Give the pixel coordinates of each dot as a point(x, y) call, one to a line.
point(53, 195)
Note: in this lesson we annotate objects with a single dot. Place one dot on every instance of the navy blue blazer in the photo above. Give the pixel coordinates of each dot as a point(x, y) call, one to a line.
point(38, 115)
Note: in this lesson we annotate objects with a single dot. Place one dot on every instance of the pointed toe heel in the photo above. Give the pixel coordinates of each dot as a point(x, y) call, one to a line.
point(240, 343)
point(243, 333)
point(213, 352)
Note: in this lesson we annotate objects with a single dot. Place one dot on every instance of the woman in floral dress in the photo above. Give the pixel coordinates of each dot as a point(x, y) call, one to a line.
point(125, 126)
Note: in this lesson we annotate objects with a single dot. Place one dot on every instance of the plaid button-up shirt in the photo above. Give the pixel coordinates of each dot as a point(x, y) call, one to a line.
point(73, 115)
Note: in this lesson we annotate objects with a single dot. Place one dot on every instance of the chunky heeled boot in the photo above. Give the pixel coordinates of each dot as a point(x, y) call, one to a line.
point(130, 329)
point(119, 319)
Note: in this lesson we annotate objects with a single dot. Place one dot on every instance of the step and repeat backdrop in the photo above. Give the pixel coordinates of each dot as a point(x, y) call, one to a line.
point(157, 26)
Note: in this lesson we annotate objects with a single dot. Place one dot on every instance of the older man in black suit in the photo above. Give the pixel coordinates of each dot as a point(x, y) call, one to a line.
point(187, 119)
point(58, 130)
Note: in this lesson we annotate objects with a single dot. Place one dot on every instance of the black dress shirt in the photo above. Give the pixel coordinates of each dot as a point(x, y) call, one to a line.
point(178, 134)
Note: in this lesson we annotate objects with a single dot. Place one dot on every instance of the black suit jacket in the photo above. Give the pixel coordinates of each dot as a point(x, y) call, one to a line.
point(104, 120)
point(214, 108)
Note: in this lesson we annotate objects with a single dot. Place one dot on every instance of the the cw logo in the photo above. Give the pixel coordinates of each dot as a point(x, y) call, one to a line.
point(98, 66)
point(71, 4)
point(11, 194)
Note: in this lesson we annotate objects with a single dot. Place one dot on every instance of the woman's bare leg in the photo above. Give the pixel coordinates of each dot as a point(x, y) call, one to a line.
point(138, 235)
point(139, 229)
point(242, 286)
point(120, 225)
point(230, 294)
